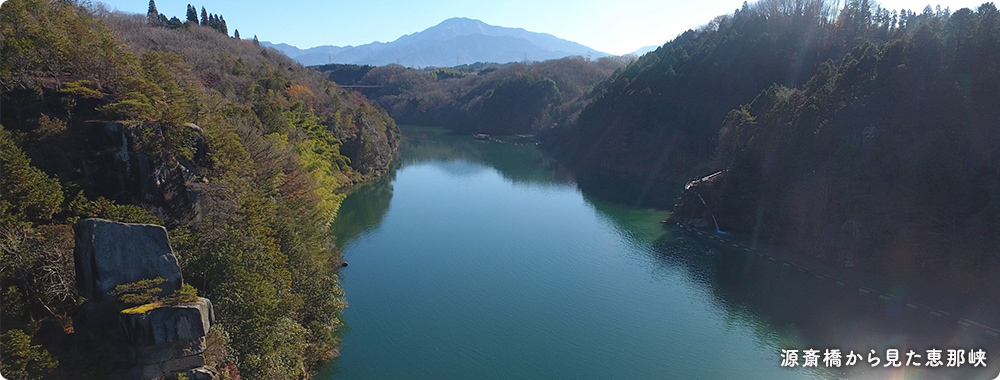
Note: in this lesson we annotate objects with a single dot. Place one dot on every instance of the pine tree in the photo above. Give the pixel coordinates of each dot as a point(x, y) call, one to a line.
point(222, 25)
point(152, 15)
point(236, 34)
point(204, 17)
point(192, 14)
point(255, 41)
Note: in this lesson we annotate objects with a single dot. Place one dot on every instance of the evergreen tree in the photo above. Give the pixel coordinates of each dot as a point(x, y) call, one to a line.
point(192, 14)
point(152, 15)
point(236, 34)
point(213, 21)
point(174, 22)
point(255, 41)
point(204, 17)
point(222, 26)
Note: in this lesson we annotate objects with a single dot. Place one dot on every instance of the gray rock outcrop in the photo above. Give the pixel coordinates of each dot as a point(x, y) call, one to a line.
point(181, 322)
point(166, 340)
point(109, 254)
point(115, 157)
point(154, 341)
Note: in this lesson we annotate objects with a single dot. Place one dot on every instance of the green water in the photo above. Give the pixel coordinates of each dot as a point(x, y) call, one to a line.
point(479, 260)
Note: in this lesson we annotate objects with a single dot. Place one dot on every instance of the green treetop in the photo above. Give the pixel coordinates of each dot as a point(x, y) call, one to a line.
point(192, 14)
point(152, 15)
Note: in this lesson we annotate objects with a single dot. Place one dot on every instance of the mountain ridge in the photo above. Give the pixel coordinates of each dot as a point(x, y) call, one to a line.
point(451, 42)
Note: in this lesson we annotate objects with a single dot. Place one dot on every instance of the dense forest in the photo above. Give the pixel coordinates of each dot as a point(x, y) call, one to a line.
point(870, 140)
point(243, 154)
point(656, 123)
point(523, 98)
point(899, 142)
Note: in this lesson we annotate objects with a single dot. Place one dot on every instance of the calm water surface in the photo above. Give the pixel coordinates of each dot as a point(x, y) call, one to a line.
point(477, 260)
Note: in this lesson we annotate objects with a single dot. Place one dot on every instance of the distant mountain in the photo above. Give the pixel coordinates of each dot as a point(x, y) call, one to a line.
point(287, 49)
point(643, 50)
point(316, 55)
point(453, 42)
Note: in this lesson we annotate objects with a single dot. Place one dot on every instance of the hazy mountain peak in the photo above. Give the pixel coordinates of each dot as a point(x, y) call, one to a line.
point(464, 26)
point(462, 21)
point(457, 40)
point(645, 49)
point(460, 26)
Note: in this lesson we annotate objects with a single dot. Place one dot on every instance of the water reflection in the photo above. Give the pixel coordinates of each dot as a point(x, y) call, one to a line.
point(364, 210)
point(459, 155)
point(516, 161)
point(811, 310)
point(538, 274)
point(792, 309)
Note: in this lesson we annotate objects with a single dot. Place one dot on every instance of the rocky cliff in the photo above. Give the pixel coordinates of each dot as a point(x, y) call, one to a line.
point(158, 339)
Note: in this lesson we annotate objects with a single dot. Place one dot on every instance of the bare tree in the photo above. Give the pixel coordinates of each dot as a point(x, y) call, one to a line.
point(42, 263)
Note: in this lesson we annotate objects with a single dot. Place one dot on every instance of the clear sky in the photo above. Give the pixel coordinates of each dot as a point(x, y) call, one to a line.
point(617, 27)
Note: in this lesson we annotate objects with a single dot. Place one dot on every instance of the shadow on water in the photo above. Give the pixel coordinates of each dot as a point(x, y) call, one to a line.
point(798, 309)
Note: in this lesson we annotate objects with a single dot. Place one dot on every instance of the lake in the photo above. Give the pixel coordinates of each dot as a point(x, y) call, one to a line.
point(481, 260)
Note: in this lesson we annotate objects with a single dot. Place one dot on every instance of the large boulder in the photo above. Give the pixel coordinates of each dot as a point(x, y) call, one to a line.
point(181, 322)
point(163, 341)
point(109, 254)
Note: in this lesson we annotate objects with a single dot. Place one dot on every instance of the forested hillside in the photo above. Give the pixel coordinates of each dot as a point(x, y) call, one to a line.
point(243, 154)
point(870, 139)
point(656, 123)
point(899, 141)
point(488, 98)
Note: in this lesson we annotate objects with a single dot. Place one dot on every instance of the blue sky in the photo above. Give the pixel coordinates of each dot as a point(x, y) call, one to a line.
point(620, 28)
